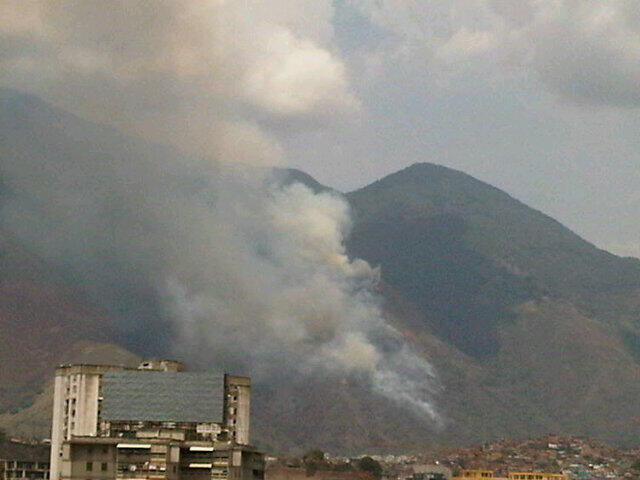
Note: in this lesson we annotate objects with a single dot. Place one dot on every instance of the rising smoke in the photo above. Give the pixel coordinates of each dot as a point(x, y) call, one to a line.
point(220, 265)
point(302, 300)
point(242, 270)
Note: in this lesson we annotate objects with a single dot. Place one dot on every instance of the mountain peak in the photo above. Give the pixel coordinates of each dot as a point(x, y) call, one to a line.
point(430, 168)
point(491, 223)
point(287, 176)
point(439, 179)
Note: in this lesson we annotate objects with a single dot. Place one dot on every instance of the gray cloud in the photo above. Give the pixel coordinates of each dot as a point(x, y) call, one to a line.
point(585, 51)
point(590, 52)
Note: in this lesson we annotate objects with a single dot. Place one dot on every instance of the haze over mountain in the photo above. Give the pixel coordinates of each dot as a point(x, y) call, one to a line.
point(537, 97)
point(529, 327)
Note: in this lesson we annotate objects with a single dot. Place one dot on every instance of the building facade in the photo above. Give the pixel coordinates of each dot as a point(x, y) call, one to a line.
point(19, 460)
point(14, 469)
point(157, 421)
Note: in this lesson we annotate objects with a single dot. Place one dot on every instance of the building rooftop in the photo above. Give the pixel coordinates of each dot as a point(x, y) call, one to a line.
point(25, 452)
point(146, 395)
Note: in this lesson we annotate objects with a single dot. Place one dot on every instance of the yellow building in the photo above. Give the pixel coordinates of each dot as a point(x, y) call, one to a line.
point(488, 475)
point(536, 476)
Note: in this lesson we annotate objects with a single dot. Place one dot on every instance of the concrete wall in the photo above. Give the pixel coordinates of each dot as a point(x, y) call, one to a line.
point(243, 417)
point(75, 406)
point(57, 425)
point(237, 406)
point(76, 457)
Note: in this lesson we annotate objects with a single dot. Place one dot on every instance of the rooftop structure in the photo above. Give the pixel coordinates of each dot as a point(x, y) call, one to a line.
point(152, 396)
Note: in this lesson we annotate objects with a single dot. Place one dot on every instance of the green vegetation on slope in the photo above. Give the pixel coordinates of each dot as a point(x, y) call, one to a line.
point(504, 230)
point(465, 253)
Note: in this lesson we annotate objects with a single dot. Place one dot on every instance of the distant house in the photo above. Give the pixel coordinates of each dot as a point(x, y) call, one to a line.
point(430, 472)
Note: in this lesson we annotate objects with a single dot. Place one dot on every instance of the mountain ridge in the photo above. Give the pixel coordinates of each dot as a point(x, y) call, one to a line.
point(529, 327)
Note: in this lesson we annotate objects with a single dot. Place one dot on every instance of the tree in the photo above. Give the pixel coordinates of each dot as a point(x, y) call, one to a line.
point(313, 456)
point(369, 465)
point(313, 461)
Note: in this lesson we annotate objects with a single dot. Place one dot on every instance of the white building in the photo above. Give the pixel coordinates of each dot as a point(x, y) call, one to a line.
point(158, 403)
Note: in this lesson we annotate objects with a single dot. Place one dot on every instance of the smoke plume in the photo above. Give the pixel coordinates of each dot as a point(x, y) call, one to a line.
point(221, 265)
point(224, 266)
point(276, 279)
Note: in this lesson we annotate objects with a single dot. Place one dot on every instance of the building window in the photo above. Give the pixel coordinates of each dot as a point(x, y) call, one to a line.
point(103, 467)
point(89, 466)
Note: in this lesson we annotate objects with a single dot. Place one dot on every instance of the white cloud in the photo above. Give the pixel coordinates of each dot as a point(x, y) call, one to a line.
point(197, 65)
point(293, 76)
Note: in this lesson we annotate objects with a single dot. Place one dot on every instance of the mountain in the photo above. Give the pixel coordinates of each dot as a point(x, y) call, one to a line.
point(55, 199)
point(530, 328)
point(44, 322)
point(287, 176)
point(547, 324)
point(47, 316)
point(465, 252)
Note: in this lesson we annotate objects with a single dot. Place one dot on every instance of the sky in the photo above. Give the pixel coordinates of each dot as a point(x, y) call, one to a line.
point(540, 98)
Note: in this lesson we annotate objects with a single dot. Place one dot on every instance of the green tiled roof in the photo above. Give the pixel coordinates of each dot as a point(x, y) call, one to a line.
point(162, 396)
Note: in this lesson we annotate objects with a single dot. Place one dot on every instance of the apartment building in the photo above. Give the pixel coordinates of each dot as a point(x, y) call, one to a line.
point(158, 421)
